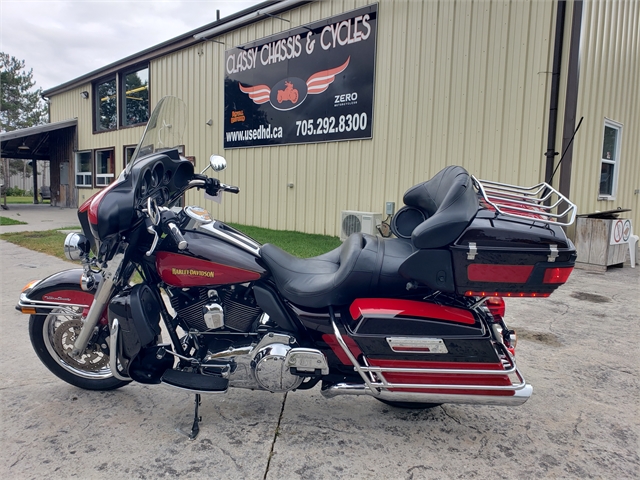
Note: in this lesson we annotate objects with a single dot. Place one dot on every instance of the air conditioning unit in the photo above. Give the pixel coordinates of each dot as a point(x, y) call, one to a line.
point(354, 222)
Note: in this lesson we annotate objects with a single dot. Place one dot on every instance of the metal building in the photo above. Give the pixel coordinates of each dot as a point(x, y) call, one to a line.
point(495, 86)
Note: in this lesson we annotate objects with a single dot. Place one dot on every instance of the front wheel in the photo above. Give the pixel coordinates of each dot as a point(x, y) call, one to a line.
point(53, 336)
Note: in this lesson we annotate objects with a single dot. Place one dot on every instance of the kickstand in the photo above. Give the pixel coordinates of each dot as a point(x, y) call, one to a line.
point(195, 429)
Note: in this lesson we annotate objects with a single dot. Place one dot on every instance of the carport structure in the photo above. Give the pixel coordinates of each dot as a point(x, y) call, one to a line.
point(54, 142)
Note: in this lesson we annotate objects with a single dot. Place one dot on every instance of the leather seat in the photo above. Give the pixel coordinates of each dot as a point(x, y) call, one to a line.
point(363, 266)
point(449, 202)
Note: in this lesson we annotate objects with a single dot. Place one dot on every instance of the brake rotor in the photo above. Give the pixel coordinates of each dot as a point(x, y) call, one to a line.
point(93, 358)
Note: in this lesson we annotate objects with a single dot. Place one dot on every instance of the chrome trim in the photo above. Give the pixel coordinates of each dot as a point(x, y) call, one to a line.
point(502, 197)
point(554, 253)
point(102, 296)
point(419, 345)
point(113, 351)
point(247, 245)
point(473, 251)
point(307, 360)
point(76, 246)
point(518, 398)
point(27, 302)
point(354, 361)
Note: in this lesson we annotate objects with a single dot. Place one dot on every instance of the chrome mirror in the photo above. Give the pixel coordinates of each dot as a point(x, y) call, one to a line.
point(76, 246)
point(217, 162)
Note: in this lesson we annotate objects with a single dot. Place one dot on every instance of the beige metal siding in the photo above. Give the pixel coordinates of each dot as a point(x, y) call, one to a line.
point(457, 82)
point(609, 88)
point(69, 105)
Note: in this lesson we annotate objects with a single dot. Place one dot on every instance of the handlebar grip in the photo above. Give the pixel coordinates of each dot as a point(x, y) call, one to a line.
point(231, 189)
point(177, 236)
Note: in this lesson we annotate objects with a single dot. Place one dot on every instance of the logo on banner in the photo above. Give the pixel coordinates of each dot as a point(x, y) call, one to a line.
point(289, 93)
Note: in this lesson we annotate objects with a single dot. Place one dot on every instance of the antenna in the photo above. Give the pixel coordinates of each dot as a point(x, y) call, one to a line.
point(565, 150)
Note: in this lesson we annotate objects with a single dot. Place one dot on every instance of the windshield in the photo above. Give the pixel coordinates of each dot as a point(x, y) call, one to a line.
point(164, 130)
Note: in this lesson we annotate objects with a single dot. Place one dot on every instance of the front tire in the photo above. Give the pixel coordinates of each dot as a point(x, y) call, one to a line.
point(52, 337)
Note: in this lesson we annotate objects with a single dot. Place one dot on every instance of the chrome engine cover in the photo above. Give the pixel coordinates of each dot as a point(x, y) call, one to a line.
point(267, 365)
point(271, 370)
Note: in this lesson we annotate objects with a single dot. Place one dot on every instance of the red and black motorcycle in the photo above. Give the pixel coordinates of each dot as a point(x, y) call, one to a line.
point(416, 320)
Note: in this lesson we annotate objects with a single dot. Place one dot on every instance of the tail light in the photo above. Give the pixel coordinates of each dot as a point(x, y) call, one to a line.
point(557, 275)
point(496, 306)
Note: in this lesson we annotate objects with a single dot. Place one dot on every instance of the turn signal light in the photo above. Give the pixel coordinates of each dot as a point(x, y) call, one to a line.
point(557, 274)
point(30, 284)
point(496, 306)
point(29, 310)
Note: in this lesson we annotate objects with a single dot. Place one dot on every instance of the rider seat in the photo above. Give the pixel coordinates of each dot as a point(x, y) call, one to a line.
point(364, 265)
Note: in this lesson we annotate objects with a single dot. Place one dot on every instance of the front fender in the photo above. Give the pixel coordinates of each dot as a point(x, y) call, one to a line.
point(62, 288)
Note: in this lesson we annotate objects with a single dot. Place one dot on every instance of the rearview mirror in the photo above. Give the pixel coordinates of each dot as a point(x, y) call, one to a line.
point(217, 162)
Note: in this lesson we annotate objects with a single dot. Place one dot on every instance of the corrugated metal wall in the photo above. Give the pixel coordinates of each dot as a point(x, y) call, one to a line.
point(70, 105)
point(457, 82)
point(609, 88)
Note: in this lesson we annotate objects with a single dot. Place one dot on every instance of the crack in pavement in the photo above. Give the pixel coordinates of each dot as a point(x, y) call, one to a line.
point(275, 436)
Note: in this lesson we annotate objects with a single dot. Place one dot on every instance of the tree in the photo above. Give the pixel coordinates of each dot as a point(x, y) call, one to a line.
point(21, 106)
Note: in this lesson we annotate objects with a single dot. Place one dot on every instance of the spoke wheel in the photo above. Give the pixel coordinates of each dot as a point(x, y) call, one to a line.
point(53, 336)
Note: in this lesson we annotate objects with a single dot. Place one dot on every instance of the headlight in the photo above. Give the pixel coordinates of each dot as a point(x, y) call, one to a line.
point(76, 246)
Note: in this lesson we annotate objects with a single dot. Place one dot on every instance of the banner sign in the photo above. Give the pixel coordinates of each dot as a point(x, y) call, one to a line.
point(310, 84)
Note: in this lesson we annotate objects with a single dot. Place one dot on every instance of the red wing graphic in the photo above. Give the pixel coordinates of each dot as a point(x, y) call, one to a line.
point(259, 94)
point(319, 82)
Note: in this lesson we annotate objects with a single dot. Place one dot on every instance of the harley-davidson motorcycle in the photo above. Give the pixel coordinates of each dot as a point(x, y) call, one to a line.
point(413, 321)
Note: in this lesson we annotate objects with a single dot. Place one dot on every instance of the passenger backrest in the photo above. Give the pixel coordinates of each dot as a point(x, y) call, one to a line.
point(451, 203)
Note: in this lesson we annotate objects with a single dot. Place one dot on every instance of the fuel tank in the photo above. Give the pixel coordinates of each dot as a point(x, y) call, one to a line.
point(207, 260)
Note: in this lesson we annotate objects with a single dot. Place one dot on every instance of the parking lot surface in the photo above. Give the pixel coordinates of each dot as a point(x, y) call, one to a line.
point(578, 348)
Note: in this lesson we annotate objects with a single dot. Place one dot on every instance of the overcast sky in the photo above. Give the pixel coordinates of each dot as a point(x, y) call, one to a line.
point(62, 40)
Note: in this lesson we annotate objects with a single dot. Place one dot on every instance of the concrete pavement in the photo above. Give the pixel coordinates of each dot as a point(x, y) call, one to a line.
point(578, 348)
point(39, 217)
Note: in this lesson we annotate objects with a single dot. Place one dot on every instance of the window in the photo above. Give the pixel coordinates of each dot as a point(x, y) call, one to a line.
point(135, 101)
point(83, 169)
point(610, 161)
point(105, 167)
point(128, 153)
point(106, 105)
point(121, 100)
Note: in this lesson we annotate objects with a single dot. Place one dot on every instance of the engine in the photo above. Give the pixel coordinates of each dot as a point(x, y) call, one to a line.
point(232, 308)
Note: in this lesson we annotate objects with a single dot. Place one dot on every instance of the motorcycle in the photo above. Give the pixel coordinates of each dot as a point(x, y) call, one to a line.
point(413, 321)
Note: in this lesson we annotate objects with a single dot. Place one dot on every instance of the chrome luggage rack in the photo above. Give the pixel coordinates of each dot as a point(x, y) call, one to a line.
point(526, 203)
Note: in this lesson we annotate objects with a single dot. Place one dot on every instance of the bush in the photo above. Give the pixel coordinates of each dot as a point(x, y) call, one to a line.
point(16, 192)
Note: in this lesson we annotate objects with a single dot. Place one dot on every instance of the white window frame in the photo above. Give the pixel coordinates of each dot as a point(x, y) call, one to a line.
point(615, 161)
point(104, 179)
point(87, 181)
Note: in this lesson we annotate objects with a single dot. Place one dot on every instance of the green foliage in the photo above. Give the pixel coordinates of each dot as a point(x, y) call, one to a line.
point(21, 106)
point(49, 241)
point(16, 192)
point(296, 243)
point(10, 221)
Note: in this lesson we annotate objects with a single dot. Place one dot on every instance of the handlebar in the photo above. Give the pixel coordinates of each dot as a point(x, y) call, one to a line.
point(174, 231)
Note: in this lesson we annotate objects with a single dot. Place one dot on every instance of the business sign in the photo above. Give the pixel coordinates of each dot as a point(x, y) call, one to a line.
point(310, 84)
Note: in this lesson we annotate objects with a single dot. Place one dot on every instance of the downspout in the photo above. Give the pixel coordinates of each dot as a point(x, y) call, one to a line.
point(555, 90)
point(571, 103)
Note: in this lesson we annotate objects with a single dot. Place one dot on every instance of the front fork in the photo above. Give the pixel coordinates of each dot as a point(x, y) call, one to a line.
point(110, 277)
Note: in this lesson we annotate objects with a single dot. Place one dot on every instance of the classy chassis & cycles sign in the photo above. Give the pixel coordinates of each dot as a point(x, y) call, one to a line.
point(310, 84)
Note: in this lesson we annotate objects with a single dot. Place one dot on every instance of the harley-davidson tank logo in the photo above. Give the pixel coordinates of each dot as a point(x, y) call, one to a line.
point(193, 273)
point(290, 92)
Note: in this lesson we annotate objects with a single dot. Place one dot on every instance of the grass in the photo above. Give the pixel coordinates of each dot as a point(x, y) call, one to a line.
point(14, 200)
point(10, 221)
point(296, 243)
point(47, 241)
